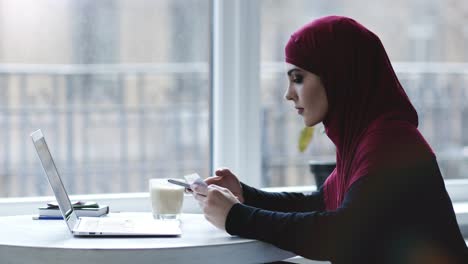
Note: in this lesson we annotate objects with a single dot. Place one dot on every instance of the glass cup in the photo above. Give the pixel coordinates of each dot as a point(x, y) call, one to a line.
point(166, 199)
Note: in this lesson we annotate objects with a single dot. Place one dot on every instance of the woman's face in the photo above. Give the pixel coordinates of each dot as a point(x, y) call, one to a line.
point(308, 94)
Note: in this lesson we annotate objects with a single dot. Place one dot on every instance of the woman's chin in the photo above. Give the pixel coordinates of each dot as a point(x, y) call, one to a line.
point(310, 123)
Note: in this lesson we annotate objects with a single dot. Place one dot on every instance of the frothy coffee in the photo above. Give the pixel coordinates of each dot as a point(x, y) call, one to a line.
point(166, 198)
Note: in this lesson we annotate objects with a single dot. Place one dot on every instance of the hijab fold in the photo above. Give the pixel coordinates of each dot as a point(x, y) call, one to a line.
point(368, 110)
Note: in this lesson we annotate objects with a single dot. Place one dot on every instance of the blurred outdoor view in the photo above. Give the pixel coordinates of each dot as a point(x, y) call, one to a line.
point(121, 88)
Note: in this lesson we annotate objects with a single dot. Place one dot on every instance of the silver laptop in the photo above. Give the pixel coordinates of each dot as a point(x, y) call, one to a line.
point(97, 226)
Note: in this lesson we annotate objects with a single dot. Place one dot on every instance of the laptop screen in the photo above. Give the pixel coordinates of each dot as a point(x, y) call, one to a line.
point(54, 179)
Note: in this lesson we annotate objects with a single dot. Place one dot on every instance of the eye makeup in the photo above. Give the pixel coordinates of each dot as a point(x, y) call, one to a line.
point(296, 78)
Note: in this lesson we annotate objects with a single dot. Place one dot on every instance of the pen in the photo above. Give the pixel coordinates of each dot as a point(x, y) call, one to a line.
point(47, 217)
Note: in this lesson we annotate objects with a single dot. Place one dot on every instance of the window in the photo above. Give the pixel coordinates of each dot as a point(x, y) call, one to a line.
point(425, 41)
point(120, 89)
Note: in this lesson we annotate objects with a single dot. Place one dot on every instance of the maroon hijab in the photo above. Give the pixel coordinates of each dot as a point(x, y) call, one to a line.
point(369, 112)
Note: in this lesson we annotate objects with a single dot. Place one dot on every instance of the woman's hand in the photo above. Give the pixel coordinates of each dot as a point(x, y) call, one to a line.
point(215, 202)
point(225, 178)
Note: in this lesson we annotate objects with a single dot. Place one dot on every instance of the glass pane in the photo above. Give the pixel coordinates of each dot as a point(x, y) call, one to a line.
point(426, 42)
point(120, 90)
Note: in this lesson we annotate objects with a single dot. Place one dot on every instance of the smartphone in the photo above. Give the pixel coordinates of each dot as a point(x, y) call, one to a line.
point(183, 184)
point(180, 183)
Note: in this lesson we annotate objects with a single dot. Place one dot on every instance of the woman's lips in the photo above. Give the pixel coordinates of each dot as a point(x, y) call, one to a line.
point(300, 110)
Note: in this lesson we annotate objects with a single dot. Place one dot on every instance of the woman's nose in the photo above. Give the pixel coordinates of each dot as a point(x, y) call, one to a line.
point(288, 95)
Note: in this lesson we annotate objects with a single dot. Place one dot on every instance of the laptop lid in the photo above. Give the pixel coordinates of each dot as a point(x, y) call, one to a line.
point(53, 177)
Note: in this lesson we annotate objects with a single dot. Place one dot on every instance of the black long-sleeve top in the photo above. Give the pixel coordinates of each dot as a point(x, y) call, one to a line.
point(403, 216)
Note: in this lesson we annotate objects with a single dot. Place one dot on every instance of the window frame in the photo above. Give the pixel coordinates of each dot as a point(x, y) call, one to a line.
point(236, 88)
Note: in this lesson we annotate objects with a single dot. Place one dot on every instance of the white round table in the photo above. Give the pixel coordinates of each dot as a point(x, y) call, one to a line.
point(23, 240)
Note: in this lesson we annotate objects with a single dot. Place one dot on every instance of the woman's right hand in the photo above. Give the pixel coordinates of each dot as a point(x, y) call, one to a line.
point(225, 178)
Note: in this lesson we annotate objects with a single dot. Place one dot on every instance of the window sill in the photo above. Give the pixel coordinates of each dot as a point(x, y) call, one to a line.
point(140, 202)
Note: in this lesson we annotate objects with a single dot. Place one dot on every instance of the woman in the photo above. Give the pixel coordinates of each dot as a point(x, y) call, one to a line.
point(385, 202)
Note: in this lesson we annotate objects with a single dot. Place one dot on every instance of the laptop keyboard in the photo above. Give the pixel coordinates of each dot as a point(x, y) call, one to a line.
point(105, 225)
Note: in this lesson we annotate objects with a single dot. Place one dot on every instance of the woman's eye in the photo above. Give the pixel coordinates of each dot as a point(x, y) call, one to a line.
point(297, 78)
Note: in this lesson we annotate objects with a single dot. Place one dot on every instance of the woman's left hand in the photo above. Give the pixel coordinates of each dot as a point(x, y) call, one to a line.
point(215, 202)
